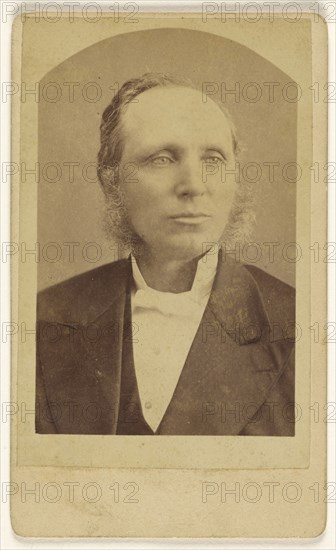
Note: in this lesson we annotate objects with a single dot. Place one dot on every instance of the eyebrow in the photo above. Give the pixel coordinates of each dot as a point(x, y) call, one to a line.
point(218, 148)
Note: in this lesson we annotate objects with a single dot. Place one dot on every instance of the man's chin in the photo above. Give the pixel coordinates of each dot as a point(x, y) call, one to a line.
point(186, 250)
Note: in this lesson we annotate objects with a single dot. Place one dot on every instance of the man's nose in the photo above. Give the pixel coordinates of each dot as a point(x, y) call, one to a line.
point(190, 179)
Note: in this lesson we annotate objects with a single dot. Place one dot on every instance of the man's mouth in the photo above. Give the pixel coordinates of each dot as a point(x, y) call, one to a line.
point(191, 217)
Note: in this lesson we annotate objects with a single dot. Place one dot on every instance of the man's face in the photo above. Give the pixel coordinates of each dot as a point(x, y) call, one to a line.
point(179, 148)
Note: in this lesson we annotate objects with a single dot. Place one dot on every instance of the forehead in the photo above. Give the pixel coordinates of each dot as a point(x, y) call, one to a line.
point(175, 113)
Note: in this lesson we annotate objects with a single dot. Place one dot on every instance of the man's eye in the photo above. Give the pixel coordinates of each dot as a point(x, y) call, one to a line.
point(161, 161)
point(214, 159)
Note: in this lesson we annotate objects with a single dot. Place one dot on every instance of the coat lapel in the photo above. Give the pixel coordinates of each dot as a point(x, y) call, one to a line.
point(233, 361)
point(82, 367)
point(231, 366)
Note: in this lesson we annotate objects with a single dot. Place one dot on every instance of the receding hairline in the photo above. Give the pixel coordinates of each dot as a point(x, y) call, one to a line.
point(174, 86)
point(183, 87)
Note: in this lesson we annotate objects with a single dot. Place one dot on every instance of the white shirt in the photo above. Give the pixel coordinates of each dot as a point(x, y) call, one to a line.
point(166, 324)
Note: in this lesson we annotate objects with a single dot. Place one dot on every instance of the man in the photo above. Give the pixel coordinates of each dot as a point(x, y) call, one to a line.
point(177, 339)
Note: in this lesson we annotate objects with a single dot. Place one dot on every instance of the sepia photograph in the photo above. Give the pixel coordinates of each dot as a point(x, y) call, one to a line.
point(168, 268)
point(191, 331)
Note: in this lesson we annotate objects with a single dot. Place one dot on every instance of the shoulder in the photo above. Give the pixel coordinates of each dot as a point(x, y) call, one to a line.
point(82, 295)
point(278, 297)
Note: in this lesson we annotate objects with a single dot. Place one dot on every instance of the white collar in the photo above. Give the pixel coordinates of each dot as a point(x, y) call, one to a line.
point(203, 281)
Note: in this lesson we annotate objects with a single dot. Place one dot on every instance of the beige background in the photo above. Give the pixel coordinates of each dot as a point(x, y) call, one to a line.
point(170, 501)
point(69, 132)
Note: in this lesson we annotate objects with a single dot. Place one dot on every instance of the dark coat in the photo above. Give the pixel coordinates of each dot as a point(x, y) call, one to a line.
point(238, 378)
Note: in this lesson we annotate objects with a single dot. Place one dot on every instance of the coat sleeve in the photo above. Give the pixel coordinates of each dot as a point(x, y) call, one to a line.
point(279, 413)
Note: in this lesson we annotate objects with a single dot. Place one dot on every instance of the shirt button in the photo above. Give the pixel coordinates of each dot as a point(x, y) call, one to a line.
point(148, 405)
